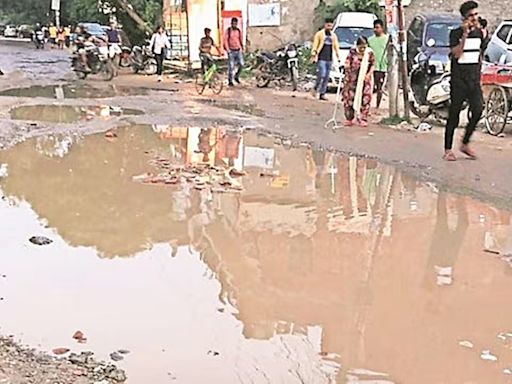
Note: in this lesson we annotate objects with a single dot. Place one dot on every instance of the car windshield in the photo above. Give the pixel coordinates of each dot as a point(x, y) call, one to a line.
point(347, 36)
point(440, 33)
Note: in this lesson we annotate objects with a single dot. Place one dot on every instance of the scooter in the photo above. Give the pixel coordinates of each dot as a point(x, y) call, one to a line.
point(430, 91)
point(143, 60)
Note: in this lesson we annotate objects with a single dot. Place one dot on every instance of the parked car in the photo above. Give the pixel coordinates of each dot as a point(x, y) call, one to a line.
point(2, 29)
point(11, 31)
point(430, 34)
point(94, 29)
point(348, 27)
point(499, 50)
point(25, 31)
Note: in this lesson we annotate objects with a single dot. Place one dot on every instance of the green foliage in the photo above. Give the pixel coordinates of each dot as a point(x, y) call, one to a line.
point(305, 65)
point(75, 11)
point(323, 10)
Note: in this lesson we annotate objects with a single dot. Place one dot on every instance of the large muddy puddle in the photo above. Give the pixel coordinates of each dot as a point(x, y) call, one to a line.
point(73, 91)
point(318, 269)
point(55, 113)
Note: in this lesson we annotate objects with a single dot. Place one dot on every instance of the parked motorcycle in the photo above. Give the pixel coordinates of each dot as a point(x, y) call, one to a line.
point(429, 93)
point(143, 60)
point(99, 63)
point(278, 65)
point(39, 39)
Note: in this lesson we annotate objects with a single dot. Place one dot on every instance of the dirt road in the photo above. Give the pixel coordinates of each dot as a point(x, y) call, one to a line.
point(235, 240)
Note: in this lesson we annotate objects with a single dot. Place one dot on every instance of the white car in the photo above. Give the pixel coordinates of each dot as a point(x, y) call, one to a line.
point(11, 31)
point(348, 27)
point(499, 50)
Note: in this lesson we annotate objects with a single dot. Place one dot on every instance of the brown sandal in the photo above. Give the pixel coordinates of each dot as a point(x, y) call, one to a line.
point(449, 156)
point(468, 152)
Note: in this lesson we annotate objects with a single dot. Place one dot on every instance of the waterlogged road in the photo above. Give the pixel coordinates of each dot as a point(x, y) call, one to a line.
point(322, 269)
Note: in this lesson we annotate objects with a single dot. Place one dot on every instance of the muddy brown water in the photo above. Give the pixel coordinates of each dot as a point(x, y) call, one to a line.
point(66, 113)
point(325, 270)
point(73, 91)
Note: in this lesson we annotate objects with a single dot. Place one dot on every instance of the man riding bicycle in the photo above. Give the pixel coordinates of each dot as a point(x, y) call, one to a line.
point(205, 50)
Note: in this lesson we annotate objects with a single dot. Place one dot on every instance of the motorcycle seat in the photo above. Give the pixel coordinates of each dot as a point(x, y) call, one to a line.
point(269, 55)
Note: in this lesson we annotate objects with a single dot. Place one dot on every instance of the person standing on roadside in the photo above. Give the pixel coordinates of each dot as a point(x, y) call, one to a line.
point(467, 44)
point(378, 44)
point(67, 35)
point(325, 43)
point(159, 43)
point(53, 35)
point(234, 46)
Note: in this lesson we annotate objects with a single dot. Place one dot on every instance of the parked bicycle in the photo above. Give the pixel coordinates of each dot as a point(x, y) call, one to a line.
point(210, 78)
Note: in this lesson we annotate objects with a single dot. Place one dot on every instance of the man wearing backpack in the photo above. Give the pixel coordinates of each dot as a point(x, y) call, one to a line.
point(233, 44)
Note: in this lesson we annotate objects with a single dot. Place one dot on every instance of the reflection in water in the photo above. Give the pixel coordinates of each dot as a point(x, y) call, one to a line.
point(323, 269)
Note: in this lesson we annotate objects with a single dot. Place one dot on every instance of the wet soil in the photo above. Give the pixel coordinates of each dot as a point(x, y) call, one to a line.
point(322, 269)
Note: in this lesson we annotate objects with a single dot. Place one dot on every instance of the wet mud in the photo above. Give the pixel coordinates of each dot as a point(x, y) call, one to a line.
point(321, 269)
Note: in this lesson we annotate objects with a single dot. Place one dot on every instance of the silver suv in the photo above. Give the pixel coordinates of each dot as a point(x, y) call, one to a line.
point(499, 50)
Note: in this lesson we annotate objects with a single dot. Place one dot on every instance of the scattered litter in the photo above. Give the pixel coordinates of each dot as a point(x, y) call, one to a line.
point(424, 127)
point(213, 353)
point(486, 355)
point(60, 351)
point(123, 351)
point(466, 344)
point(3, 171)
point(507, 371)
point(502, 135)
point(444, 275)
point(40, 240)
point(371, 134)
point(201, 176)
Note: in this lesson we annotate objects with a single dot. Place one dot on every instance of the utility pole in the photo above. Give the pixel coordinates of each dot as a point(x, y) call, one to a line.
point(403, 59)
point(393, 68)
point(56, 8)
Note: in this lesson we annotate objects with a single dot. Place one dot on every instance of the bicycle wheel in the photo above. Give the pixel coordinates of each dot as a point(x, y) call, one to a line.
point(200, 84)
point(216, 83)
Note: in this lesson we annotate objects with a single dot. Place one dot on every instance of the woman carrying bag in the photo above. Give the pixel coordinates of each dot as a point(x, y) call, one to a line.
point(159, 43)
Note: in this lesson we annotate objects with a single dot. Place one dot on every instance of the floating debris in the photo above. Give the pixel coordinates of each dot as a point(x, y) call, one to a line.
point(486, 355)
point(466, 344)
point(200, 176)
point(116, 356)
point(80, 337)
point(60, 351)
point(40, 240)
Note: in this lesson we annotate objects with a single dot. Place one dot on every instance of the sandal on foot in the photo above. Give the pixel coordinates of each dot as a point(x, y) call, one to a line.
point(449, 156)
point(468, 152)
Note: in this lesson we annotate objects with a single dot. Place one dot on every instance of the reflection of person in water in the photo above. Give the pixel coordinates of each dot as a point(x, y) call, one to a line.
point(204, 145)
point(446, 242)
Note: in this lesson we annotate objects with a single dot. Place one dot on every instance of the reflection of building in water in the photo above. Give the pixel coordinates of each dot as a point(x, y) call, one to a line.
point(214, 146)
point(344, 246)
